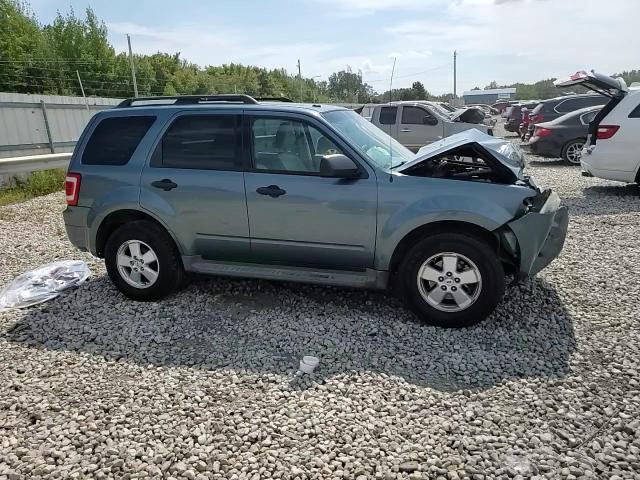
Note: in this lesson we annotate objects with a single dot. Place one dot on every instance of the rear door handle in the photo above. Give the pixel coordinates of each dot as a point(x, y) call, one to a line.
point(272, 190)
point(165, 184)
point(405, 130)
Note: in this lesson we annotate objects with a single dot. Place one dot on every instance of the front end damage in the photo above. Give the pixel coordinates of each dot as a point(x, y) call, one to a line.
point(536, 235)
point(532, 241)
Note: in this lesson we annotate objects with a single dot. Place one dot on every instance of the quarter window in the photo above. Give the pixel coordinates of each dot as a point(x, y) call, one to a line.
point(388, 115)
point(289, 146)
point(635, 113)
point(203, 142)
point(114, 140)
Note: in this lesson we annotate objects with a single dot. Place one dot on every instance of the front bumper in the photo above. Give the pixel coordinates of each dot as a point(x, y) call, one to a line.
point(540, 235)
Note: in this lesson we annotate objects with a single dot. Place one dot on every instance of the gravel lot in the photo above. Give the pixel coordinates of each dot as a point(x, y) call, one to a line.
point(203, 385)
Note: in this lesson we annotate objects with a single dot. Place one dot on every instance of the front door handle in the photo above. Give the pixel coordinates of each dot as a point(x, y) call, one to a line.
point(405, 130)
point(165, 184)
point(272, 190)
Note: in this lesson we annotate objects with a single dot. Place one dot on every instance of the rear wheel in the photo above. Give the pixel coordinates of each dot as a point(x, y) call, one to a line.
point(452, 280)
point(572, 151)
point(142, 261)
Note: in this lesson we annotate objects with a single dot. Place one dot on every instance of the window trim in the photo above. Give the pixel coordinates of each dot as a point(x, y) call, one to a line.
point(208, 113)
point(250, 117)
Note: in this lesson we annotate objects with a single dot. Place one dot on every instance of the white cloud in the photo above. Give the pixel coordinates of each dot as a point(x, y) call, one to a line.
point(502, 40)
point(527, 40)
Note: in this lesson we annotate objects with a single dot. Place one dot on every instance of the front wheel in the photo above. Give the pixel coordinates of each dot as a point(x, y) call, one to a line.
point(452, 280)
point(142, 261)
point(572, 152)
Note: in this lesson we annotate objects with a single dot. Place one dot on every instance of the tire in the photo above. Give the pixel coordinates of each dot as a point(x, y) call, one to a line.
point(158, 274)
point(569, 149)
point(474, 260)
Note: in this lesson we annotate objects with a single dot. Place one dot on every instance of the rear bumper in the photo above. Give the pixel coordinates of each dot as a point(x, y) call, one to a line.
point(543, 148)
point(540, 236)
point(75, 222)
point(593, 168)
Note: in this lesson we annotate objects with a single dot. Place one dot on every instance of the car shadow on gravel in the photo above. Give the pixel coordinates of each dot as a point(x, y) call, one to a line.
point(263, 327)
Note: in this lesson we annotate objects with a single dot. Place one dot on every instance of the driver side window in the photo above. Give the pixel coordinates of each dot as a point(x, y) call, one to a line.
point(417, 116)
point(288, 146)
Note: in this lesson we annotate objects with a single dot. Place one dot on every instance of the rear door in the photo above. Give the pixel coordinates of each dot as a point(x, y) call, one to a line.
point(194, 183)
point(418, 127)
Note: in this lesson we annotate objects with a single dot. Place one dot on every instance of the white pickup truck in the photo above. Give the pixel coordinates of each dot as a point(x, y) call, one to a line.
point(418, 123)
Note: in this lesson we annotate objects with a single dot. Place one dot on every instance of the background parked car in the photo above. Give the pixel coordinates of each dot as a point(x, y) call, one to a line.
point(486, 108)
point(611, 150)
point(418, 123)
point(553, 108)
point(563, 137)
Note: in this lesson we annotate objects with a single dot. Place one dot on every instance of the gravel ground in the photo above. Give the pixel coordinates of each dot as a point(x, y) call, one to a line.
point(203, 385)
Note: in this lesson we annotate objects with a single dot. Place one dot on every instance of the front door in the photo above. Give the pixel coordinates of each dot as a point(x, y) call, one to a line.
point(418, 127)
point(297, 217)
point(194, 182)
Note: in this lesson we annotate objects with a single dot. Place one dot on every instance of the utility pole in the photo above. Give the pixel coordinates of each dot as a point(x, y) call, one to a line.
point(133, 68)
point(300, 78)
point(455, 73)
point(82, 90)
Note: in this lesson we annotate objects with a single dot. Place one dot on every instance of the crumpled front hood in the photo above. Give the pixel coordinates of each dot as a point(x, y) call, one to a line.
point(504, 151)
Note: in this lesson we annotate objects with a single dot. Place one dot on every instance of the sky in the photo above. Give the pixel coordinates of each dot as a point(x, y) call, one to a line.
point(503, 40)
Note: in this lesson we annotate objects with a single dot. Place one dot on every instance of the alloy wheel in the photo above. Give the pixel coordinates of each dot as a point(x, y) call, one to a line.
point(137, 264)
point(449, 282)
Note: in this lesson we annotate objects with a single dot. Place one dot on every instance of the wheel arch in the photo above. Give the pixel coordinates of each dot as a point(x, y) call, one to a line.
point(435, 228)
point(116, 219)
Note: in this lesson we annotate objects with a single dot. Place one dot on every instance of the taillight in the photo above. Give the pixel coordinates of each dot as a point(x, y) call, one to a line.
point(607, 131)
point(537, 118)
point(542, 132)
point(72, 188)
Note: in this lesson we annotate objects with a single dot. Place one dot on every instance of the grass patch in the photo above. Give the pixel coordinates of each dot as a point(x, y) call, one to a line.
point(35, 185)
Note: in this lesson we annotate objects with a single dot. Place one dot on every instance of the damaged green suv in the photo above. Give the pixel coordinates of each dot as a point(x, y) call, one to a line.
point(227, 185)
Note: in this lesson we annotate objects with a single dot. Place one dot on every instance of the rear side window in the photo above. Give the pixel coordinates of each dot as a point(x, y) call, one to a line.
point(115, 139)
point(572, 104)
point(388, 115)
point(202, 142)
point(588, 117)
point(635, 113)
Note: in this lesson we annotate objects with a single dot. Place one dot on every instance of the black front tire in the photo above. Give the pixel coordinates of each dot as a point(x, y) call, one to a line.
point(169, 263)
point(476, 250)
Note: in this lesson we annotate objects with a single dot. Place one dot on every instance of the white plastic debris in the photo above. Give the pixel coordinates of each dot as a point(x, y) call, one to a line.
point(43, 283)
point(308, 364)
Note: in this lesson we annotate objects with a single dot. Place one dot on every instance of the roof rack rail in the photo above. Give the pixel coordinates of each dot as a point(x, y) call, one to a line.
point(186, 100)
point(274, 99)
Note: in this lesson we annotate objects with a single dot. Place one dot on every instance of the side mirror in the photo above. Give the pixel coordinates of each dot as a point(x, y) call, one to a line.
point(429, 120)
point(338, 165)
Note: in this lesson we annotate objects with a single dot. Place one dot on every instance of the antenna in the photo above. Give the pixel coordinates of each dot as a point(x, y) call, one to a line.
point(393, 69)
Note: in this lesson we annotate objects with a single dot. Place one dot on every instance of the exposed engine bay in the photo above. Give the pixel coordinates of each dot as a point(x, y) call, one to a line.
point(469, 162)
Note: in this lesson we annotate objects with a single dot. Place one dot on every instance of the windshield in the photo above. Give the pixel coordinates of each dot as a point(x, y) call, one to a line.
point(368, 139)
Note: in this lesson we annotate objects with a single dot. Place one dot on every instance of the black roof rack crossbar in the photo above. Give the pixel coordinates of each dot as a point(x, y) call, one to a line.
point(189, 100)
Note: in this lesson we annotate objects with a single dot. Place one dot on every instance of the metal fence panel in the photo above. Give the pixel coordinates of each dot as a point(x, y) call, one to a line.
point(23, 130)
